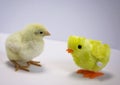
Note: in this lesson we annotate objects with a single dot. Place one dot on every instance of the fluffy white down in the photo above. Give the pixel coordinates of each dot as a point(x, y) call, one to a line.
point(23, 51)
point(31, 50)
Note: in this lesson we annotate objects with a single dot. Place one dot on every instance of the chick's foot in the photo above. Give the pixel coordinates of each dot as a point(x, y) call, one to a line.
point(89, 74)
point(37, 63)
point(18, 66)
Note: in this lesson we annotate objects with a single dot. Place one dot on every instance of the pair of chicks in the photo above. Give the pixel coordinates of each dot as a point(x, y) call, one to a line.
point(23, 46)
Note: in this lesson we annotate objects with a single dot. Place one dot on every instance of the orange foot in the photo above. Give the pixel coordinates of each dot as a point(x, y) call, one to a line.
point(89, 74)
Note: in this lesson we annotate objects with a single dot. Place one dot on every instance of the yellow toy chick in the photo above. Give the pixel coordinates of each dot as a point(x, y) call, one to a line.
point(91, 55)
point(23, 46)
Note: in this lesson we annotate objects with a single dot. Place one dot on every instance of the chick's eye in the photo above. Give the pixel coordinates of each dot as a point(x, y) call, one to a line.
point(41, 32)
point(79, 46)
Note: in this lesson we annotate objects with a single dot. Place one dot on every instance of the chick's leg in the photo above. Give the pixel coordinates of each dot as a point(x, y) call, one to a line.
point(37, 63)
point(89, 74)
point(18, 66)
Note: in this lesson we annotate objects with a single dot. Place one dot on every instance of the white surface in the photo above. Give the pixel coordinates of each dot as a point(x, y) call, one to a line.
point(57, 68)
point(95, 19)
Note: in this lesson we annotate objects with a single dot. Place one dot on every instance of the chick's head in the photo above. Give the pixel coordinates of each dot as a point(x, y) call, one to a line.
point(36, 31)
point(77, 45)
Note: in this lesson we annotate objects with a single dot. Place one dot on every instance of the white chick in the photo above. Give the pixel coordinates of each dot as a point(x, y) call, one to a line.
point(23, 46)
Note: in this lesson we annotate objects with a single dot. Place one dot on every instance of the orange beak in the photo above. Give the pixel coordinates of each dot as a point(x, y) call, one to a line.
point(69, 50)
point(47, 33)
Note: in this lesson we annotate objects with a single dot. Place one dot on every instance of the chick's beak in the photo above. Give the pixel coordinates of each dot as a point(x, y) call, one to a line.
point(69, 50)
point(47, 33)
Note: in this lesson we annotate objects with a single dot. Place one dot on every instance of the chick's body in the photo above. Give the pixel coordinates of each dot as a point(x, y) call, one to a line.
point(20, 50)
point(90, 55)
point(27, 44)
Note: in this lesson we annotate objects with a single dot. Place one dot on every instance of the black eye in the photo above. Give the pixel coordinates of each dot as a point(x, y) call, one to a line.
point(79, 46)
point(41, 32)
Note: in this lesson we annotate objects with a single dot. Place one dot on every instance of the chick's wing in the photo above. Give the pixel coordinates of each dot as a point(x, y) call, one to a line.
point(100, 50)
point(14, 43)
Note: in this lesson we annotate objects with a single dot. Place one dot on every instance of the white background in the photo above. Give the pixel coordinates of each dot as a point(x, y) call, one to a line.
point(96, 19)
